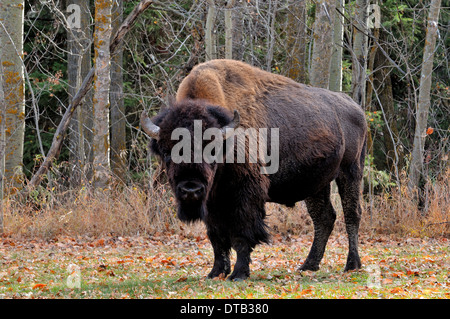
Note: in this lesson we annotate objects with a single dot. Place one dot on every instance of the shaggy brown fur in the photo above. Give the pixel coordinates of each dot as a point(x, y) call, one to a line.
point(322, 138)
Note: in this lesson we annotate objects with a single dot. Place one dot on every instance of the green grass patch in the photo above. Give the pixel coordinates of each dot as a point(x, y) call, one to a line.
point(176, 267)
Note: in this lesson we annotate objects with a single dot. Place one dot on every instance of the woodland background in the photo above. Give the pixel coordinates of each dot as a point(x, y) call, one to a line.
point(389, 56)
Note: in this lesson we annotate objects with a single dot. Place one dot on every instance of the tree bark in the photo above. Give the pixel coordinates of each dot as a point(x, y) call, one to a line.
point(296, 42)
point(323, 42)
point(102, 81)
point(359, 55)
point(85, 87)
point(229, 29)
point(11, 34)
point(271, 35)
point(336, 55)
point(2, 140)
point(423, 105)
point(118, 123)
point(238, 18)
point(78, 66)
point(210, 37)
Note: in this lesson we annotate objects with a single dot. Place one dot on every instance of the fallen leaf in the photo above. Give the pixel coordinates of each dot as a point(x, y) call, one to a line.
point(101, 268)
point(181, 279)
point(99, 242)
point(396, 290)
point(304, 292)
point(387, 281)
point(39, 286)
point(412, 273)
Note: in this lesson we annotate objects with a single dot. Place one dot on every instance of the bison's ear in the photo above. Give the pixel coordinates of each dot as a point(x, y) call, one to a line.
point(220, 114)
point(224, 119)
point(227, 130)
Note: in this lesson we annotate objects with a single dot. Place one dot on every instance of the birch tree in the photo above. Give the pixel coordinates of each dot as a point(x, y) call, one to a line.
point(11, 37)
point(323, 42)
point(423, 105)
point(102, 80)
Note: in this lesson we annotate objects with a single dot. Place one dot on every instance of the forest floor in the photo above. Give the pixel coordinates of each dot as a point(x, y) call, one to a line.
point(175, 266)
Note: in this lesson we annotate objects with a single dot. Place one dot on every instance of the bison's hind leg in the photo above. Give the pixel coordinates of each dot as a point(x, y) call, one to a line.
point(323, 215)
point(349, 189)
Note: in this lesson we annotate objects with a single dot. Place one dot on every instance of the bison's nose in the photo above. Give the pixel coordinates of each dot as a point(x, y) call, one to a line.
point(191, 192)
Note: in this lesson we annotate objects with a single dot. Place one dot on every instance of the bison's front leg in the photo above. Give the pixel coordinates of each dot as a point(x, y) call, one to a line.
point(242, 267)
point(221, 248)
point(323, 215)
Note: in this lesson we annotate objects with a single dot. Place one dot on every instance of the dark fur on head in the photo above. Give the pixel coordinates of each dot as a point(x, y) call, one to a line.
point(201, 175)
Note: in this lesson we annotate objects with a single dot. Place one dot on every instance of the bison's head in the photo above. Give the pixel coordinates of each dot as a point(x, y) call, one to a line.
point(177, 139)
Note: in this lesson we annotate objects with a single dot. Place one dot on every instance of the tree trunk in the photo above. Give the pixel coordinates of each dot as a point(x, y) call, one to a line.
point(210, 37)
point(11, 34)
point(78, 66)
point(2, 141)
point(296, 41)
point(118, 134)
point(271, 35)
point(238, 18)
point(336, 56)
point(102, 81)
point(423, 105)
point(323, 43)
point(229, 29)
point(359, 56)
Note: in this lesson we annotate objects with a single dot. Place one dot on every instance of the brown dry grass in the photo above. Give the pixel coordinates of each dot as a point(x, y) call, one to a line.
point(397, 212)
point(137, 210)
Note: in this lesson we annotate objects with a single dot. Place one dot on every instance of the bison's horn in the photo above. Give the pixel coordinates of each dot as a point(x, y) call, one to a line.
point(151, 129)
point(233, 124)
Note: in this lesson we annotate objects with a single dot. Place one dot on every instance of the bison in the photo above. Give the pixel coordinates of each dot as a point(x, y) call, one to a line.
point(322, 137)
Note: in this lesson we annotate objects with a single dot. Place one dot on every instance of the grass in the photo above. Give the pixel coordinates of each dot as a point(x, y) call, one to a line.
point(129, 244)
point(173, 266)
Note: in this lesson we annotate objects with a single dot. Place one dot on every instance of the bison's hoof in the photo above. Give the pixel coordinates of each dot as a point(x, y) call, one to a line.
point(307, 266)
point(238, 276)
point(352, 264)
point(220, 275)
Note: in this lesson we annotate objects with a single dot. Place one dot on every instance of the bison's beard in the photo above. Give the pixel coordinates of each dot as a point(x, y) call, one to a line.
point(191, 212)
